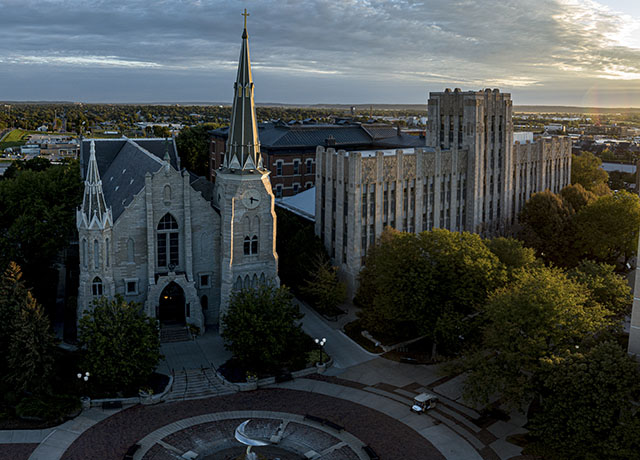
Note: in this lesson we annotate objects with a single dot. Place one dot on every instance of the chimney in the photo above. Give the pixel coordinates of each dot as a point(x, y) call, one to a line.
point(330, 141)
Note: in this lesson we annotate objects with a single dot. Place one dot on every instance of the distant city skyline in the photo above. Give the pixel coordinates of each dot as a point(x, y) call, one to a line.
point(550, 52)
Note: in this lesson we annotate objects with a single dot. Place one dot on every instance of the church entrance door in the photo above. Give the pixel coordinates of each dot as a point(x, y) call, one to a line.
point(171, 308)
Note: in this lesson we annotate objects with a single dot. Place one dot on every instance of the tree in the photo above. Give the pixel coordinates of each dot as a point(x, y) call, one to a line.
point(193, 148)
point(607, 288)
point(576, 196)
point(607, 229)
point(546, 222)
point(586, 404)
point(297, 245)
point(261, 328)
point(512, 253)
point(121, 345)
point(535, 317)
point(37, 221)
point(586, 170)
point(324, 288)
point(33, 164)
point(12, 295)
point(161, 131)
point(30, 357)
point(410, 281)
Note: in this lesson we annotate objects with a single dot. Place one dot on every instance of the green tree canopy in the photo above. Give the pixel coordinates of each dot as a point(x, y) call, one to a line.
point(37, 220)
point(324, 288)
point(193, 148)
point(586, 404)
point(540, 314)
point(12, 295)
point(410, 281)
point(607, 287)
point(261, 328)
point(121, 345)
point(30, 355)
point(546, 226)
point(607, 229)
point(586, 170)
point(576, 196)
point(512, 253)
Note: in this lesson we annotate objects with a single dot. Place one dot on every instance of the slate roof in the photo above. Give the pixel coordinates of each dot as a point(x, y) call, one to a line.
point(123, 164)
point(279, 136)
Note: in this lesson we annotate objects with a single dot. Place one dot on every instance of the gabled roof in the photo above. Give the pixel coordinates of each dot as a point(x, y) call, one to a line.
point(280, 136)
point(123, 164)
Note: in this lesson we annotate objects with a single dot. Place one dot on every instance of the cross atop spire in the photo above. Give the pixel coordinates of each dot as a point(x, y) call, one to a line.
point(245, 14)
point(243, 146)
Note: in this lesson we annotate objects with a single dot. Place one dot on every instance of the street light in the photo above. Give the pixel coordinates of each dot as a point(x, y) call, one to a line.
point(320, 343)
point(84, 377)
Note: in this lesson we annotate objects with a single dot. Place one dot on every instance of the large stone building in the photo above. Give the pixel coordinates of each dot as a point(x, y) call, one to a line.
point(470, 176)
point(289, 150)
point(157, 234)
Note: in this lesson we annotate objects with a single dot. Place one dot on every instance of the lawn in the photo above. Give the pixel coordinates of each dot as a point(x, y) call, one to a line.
point(15, 138)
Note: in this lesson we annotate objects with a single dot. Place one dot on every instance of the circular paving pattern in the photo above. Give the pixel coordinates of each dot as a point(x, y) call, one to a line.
point(175, 424)
point(211, 436)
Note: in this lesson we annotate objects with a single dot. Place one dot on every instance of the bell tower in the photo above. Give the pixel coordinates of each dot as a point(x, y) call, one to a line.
point(244, 196)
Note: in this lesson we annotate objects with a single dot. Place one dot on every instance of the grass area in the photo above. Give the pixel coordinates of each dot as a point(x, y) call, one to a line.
point(15, 138)
point(354, 331)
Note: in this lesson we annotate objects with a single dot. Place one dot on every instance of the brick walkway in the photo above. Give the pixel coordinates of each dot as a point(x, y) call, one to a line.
point(16, 451)
point(390, 438)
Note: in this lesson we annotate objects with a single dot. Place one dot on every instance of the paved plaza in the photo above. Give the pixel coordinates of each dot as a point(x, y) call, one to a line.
point(367, 397)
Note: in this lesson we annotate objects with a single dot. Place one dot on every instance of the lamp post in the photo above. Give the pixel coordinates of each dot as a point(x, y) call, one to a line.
point(86, 401)
point(320, 343)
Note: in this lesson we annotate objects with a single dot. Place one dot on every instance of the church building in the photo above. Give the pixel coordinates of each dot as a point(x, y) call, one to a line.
point(162, 236)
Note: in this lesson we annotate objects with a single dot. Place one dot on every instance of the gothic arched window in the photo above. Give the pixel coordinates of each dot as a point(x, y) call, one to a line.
point(238, 285)
point(106, 252)
point(168, 242)
point(247, 246)
point(96, 287)
point(254, 245)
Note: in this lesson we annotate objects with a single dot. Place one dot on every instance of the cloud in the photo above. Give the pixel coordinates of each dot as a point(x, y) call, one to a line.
point(369, 45)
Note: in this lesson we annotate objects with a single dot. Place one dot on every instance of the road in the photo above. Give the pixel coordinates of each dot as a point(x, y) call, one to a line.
point(344, 351)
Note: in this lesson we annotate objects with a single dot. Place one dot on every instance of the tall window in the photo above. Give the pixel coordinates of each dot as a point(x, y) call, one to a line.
point(96, 254)
point(296, 167)
point(278, 168)
point(130, 250)
point(85, 249)
point(96, 286)
point(309, 166)
point(168, 242)
point(251, 245)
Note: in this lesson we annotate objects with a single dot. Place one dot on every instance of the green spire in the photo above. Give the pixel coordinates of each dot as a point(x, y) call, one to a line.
point(243, 146)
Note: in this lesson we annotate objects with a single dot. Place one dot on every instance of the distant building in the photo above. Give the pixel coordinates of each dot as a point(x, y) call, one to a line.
point(30, 149)
point(470, 176)
point(290, 149)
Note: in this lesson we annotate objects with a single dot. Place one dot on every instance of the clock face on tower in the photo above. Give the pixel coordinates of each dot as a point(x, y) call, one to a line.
point(251, 198)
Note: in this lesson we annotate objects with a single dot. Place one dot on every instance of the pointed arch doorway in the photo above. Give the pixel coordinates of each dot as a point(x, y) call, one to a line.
point(171, 308)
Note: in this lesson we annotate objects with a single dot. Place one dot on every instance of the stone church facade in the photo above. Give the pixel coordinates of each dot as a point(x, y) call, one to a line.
point(159, 235)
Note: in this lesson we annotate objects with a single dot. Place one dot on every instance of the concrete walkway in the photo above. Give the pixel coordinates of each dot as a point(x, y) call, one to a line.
point(344, 351)
point(61, 437)
point(450, 444)
point(206, 351)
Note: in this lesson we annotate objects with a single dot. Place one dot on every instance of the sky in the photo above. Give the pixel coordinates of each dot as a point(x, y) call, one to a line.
point(559, 52)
